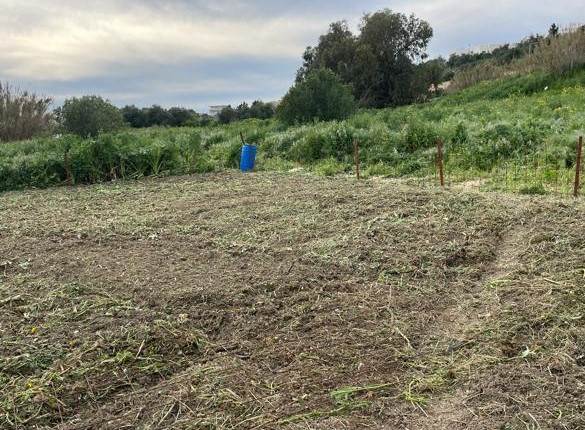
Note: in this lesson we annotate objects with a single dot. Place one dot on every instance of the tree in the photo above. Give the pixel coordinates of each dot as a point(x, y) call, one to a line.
point(553, 31)
point(22, 114)
point(203, 120)
point(430, 74)
point(261, 110)
point(227, 115)
point(90, 115)
point(379, 63)
point(336, 51)
point(394, 41)
point(320, 96)
point(258, 109)
point(243, 111)
point(134, 116)
point(179, 117)
point(157, 115)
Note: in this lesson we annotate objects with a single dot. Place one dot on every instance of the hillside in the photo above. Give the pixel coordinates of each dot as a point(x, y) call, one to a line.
point(518, 134)
point(290, 301)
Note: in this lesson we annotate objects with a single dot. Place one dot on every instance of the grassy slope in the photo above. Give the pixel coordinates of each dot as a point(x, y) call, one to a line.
point(288, 301)
point(517, 133)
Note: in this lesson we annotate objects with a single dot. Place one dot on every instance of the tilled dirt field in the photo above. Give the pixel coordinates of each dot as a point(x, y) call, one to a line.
point(287, 301)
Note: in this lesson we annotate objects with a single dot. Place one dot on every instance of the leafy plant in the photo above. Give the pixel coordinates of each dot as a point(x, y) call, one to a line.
point(320, 97)
point(89, 115)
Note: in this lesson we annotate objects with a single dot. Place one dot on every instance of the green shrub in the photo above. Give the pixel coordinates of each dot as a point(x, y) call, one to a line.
point(418, 135)
point(106, 157)
point(533, 189)
point(558, 152)
point(90, 115)
point(460, 135)
point(226, 154)
point(320, 97)
point(329, 167)
point(411, 166)
point(309, 147)
point(275, 164)
point(214, 138)
point(378, 169)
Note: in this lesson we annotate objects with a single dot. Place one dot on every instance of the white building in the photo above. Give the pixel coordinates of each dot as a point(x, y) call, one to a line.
point(478, 49)
point(216, 109)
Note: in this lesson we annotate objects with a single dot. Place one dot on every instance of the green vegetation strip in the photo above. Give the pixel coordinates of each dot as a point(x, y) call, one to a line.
point(517, 134)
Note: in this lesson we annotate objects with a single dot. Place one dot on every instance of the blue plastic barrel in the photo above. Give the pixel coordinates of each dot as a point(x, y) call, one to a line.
point(248, 158)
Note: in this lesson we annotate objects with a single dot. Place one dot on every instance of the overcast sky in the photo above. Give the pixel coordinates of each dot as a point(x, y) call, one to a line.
point(195, 53)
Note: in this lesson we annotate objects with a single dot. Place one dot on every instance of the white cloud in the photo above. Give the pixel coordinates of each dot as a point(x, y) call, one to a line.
point(459, 23)
point(183, 51)
point(72, 42)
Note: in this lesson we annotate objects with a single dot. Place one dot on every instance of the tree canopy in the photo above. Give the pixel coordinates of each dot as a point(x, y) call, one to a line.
point(379, 63)
point(89, 115)
point(158, 116)
point(258, 109)
point(319, 96)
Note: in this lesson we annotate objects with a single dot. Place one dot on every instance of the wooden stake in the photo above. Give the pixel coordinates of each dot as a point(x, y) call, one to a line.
point(356, 156)
point(440, 162)
point(578, 167)
point(67, 163)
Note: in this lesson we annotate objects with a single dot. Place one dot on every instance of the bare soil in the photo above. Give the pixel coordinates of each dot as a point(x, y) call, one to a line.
point(267, 301)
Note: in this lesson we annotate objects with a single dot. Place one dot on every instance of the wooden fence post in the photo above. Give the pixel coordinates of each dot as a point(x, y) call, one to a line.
point(440, 162)
point(578, 166)
point(356, 156)
point(67, 165)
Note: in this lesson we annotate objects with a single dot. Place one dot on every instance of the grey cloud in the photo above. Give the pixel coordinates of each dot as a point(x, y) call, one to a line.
point(195, 51)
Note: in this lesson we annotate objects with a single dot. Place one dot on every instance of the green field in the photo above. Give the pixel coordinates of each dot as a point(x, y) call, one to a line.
point(516, 134)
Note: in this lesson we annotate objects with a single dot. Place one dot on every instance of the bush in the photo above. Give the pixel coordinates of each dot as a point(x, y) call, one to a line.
point(320, 97)
point(378, 169)
point(329, 167)
point(533, 189)
point(71, 159)
point(418, 135)
point(89, 116)
point(22, 114)
point(226, 154)
point(530, 133)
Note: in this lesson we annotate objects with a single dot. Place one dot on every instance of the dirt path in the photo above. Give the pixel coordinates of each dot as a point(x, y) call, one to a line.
point(459, 323)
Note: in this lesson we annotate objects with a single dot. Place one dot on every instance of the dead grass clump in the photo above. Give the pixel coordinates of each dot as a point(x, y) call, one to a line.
point(556, 55)
point(559, 55)
point(22, 114)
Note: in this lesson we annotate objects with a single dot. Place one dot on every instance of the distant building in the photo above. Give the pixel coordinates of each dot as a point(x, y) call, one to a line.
point(479, 49)
point(215, 110)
